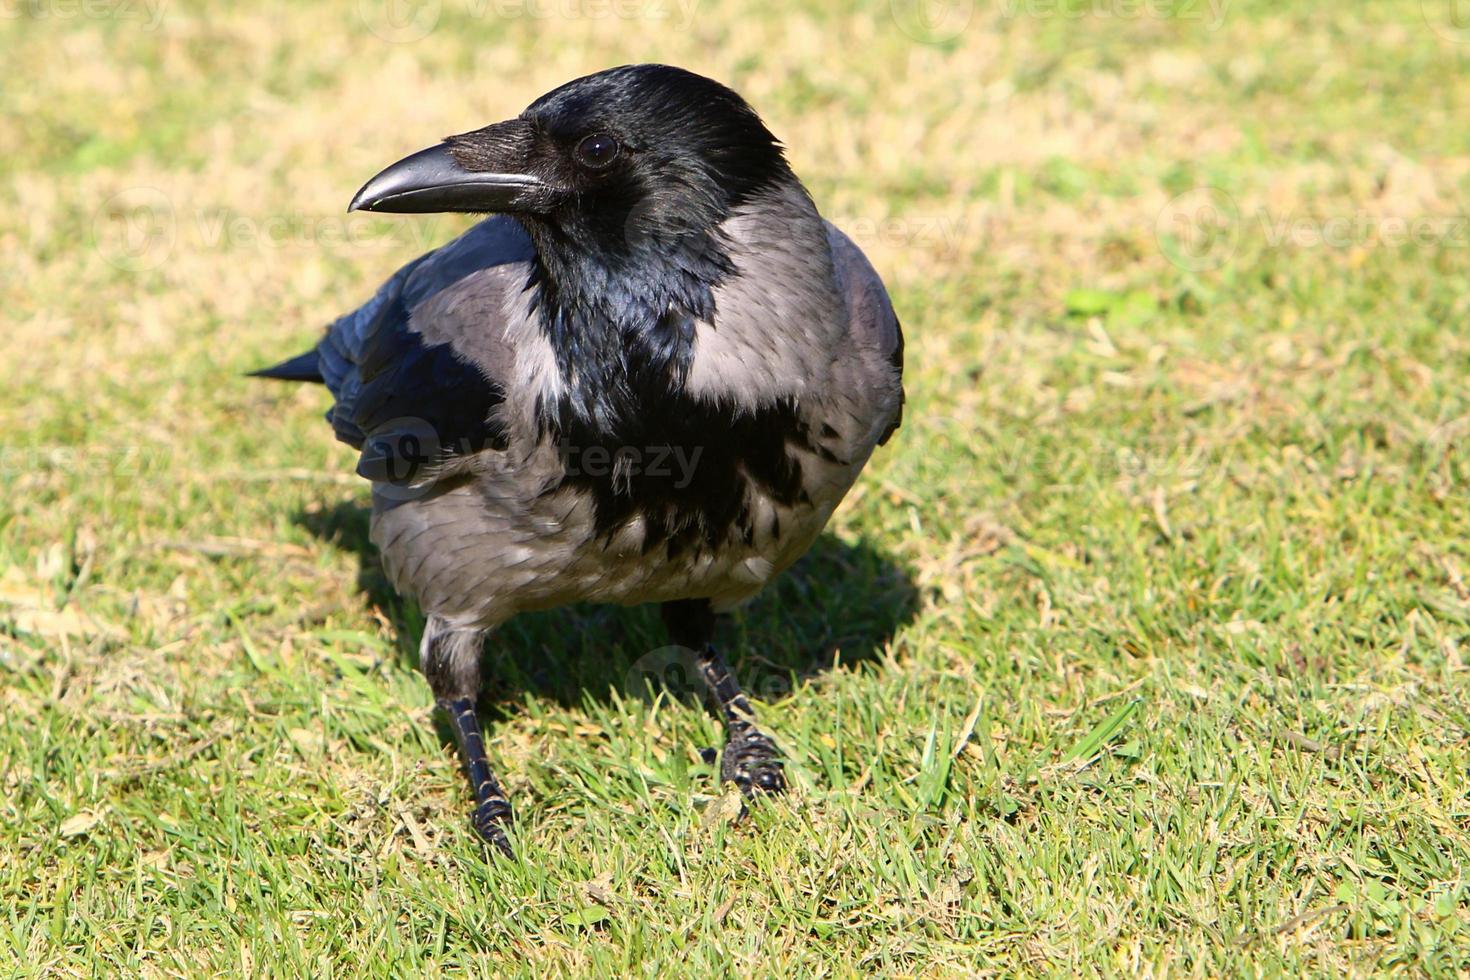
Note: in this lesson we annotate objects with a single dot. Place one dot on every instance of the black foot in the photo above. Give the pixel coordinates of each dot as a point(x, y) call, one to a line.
point(492, 820)
point(492, 815)
point(751, 760)
point(753, 763)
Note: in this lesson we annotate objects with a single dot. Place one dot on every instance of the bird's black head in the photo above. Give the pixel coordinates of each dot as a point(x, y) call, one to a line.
point(615, 164)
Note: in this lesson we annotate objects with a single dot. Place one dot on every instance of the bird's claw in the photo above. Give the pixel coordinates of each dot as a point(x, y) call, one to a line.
point(753, 763)
point(491, 821)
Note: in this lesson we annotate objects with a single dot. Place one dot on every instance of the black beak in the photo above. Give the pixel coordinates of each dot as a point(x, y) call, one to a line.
point(433, 180)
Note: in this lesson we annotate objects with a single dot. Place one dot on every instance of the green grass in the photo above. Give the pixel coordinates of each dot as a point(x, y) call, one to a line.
point(1142, 648)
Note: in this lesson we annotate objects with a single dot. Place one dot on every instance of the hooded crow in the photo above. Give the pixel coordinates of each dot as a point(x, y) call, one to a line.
point(650, 377)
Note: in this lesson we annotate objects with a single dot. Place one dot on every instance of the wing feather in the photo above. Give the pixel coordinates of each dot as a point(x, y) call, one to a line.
point(871, 320)
point(413, 391)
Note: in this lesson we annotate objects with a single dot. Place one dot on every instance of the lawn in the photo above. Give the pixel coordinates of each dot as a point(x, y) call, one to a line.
point(1142, 648)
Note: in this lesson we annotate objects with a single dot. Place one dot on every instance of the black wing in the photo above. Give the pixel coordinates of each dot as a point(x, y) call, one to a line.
point(871, 317)
point(418, 371)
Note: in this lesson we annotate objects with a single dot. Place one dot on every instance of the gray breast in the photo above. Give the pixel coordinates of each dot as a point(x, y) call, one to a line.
point(790, 388)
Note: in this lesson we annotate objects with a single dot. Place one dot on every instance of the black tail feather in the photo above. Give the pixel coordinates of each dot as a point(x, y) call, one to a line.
point(302, 367)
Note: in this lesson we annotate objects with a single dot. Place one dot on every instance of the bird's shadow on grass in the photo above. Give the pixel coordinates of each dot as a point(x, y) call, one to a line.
point(840, 603)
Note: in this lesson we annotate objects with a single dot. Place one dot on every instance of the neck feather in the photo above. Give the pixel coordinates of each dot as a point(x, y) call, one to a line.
point(622, 326)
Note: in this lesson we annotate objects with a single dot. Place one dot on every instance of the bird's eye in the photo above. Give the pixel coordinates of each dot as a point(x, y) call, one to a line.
point(597, 151)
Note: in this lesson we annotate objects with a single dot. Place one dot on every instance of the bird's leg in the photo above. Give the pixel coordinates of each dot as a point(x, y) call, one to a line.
point(751, 760)
point(451, 662)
